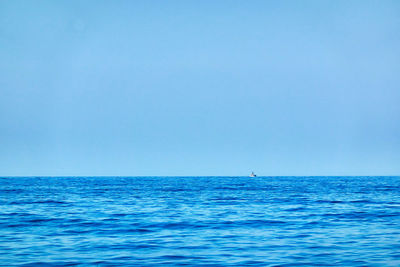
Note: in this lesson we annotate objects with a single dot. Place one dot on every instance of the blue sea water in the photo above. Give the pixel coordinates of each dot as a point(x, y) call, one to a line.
point(199, 221)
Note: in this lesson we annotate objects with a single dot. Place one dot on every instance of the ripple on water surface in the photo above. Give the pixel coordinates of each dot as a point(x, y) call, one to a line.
point(210, 221)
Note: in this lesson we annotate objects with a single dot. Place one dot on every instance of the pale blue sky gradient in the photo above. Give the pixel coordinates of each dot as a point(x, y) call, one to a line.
point(199, 87)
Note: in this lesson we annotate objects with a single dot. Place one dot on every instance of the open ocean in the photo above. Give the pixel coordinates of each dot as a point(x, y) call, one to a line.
point(199, 221)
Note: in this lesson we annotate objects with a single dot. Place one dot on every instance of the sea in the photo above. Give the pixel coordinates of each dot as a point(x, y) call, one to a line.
point(200, 221)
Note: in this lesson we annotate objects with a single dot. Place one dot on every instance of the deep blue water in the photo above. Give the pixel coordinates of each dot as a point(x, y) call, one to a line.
point(200, 221)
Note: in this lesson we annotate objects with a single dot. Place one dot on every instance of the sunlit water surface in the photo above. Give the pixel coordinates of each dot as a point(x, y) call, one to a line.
point(200, 221)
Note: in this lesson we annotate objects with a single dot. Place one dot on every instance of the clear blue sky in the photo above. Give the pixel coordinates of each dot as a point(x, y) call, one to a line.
point(199, 87)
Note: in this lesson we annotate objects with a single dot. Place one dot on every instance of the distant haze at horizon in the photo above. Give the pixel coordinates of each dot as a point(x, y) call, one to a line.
point(100, 88)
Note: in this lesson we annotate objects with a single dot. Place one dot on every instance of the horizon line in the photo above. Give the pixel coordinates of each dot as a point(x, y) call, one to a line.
point(158, 176)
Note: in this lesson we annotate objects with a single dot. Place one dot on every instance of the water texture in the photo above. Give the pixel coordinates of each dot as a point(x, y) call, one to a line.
point(199, 221)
